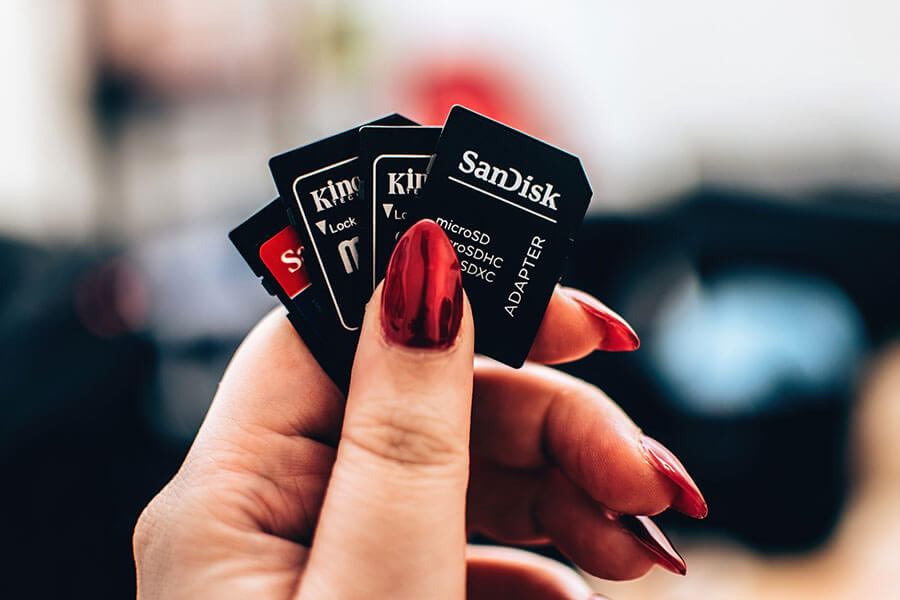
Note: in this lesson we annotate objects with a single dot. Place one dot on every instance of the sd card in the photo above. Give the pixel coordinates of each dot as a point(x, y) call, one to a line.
point(319, 186)
point(510, 205)
point(393, 161)
point(272, 248)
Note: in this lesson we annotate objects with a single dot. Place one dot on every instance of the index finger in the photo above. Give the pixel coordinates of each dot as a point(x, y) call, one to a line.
point(575, 324)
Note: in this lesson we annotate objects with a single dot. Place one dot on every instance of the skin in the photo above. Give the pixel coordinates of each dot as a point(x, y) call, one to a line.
point(433, 445)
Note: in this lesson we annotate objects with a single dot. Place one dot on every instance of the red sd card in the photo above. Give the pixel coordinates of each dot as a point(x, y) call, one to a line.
point(283, 255)
point(273, 250)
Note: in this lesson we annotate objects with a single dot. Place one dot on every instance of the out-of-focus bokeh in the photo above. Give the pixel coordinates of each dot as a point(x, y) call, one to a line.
point(745, 159)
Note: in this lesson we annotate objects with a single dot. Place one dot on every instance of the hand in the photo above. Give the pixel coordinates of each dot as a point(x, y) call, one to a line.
point(268, 503)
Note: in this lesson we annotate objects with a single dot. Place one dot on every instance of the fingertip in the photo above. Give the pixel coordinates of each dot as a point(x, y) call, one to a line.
point(689, 499)
point(591, 535)
point(618, 335)
point(422, 296)
point(373, 334)
point(576, 324)
point(651, 537)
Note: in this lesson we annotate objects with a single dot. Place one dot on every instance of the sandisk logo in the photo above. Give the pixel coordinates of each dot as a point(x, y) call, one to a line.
point(509, 179)
point(283, 256)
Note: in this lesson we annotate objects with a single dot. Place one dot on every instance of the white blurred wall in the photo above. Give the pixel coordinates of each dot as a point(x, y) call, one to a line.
point(658, 96)
point(655, 96)
point(46, 141)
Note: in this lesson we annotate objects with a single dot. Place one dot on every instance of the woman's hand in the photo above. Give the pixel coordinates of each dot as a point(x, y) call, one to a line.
point(291, 492)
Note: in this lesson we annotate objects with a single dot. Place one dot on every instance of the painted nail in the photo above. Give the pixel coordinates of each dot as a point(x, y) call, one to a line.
point(422, 299)
point(653, 539)
point(619, 334)
point(689, 500)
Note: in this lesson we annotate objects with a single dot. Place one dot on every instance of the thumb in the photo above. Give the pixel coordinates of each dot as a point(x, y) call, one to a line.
point(394, 512)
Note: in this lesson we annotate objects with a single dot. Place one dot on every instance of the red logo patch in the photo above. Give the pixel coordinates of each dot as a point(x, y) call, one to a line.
point(283, 255)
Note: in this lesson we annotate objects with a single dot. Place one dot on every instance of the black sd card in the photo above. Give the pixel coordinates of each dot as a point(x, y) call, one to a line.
point(392, 162)
point(319, 186)
point(272, 248)
point(510, 205)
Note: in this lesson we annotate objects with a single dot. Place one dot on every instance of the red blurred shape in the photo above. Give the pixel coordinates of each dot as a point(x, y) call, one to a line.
point(434, 87)
point(111, 299)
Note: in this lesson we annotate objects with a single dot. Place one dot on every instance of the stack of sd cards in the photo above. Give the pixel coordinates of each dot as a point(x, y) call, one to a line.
point(509, 203)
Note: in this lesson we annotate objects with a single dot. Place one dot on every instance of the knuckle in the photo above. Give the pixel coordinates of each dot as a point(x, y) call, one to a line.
point(160, 522)
point(147, 529)
point(408, 438)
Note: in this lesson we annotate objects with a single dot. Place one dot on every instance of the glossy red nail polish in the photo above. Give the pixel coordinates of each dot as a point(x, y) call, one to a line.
point(653, 539)
point(422, 297)
point(689, 499)
point(619, 334)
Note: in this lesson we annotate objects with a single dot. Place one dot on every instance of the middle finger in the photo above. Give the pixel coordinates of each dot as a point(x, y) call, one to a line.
point(537, 416)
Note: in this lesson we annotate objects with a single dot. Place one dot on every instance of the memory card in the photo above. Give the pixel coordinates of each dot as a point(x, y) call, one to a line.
point(319, 185)
point(511, 205)
point(393, 161)
point(274, 251)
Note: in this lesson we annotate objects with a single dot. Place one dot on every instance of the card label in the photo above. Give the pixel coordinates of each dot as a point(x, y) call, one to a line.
point(326, 200)
point(397, 179)
point(510, 205)
point(394, 163)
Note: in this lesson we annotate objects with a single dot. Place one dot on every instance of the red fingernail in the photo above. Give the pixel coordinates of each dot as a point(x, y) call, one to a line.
point(689, 499)
point(619, 334)
point(422, 300)
point(653, 539)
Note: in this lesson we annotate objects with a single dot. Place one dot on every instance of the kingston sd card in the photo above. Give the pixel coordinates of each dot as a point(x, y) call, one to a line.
point(393, 161)
point(272, 248)
point(319, 185)
point(510, 205)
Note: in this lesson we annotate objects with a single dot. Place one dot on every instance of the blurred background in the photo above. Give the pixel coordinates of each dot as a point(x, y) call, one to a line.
point(745, 158)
